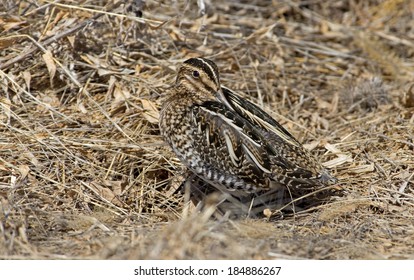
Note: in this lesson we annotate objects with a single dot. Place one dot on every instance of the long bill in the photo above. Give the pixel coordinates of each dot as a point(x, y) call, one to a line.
point(222, 97)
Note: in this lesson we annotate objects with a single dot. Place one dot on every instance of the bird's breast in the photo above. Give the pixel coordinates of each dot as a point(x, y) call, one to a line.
point(176, 128)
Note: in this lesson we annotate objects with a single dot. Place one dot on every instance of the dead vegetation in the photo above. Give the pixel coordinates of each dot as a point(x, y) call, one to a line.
point(85, 174)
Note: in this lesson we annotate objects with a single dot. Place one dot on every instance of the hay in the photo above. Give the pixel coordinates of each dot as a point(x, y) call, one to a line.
point(84, 173)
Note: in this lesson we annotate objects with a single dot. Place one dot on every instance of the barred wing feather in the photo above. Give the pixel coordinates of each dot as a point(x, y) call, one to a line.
point(248, 149)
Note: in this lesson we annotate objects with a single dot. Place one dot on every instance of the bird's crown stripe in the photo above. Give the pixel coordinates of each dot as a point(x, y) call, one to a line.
point(206, 66)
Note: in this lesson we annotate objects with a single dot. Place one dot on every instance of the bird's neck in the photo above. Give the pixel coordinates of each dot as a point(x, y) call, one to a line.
point(194, 93)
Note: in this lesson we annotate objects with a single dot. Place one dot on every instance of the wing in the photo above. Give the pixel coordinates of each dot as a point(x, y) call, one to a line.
point(241, 155)
point(230, 148)
point(256, 116)
point(302, 167)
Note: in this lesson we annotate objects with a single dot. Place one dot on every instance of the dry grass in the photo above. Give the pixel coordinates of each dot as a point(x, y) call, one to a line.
point(85, 174)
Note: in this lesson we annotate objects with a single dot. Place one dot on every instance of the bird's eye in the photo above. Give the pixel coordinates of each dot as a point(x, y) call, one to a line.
point(196, 74)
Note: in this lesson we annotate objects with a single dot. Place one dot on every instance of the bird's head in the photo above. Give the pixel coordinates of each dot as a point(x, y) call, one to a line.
point(199, 76)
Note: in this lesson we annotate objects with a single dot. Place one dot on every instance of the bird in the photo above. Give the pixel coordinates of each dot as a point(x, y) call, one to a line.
point(231, 145)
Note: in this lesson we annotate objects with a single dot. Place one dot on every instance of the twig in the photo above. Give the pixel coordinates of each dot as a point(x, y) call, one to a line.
point(55, 38)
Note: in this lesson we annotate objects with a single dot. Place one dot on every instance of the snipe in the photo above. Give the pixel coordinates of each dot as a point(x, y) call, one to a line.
point(230, 144)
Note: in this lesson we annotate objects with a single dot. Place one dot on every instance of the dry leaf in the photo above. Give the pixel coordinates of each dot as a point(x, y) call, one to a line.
point(333, 149)
point(7, 42)
point(341, 159)
point(107, 194)
point(116, 186)
point(5, 111)
point(120, 95)
point(151, 113)
point(97, 62)
point(267, 212)
point(261, 32)
point(23, 170)
point(312, 145)
point(104, 192)
point(322, 104)
point(27, 77)
point(50, 64)
point(408, 97)
point(71, 40)
point(10, 23)
point(366, 168)
point(81, 107)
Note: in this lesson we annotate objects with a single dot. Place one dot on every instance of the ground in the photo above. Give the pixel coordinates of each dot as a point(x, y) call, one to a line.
point(84, 173)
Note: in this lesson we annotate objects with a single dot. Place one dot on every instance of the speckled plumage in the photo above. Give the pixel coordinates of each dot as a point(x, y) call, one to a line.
point(227, 141)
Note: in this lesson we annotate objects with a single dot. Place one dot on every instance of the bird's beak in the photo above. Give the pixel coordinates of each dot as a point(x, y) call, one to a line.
point(220, 94)
point(222, 97)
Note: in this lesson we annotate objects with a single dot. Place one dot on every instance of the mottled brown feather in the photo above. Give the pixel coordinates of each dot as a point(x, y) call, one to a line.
point(227, 141)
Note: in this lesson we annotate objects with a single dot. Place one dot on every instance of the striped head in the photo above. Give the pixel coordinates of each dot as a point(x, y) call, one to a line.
point(200, 76)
